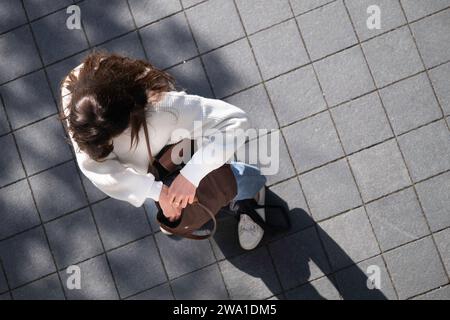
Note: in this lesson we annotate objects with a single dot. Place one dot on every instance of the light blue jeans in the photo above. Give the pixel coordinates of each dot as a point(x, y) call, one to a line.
point(248, 178)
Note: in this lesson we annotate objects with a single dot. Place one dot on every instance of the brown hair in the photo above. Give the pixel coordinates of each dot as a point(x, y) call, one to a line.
point(110, 94)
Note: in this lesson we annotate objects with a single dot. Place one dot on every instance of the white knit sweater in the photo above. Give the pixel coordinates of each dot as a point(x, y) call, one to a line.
point(123, 175)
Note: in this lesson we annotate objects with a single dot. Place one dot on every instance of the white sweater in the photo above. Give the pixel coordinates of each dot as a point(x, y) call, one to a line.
point(123, 175)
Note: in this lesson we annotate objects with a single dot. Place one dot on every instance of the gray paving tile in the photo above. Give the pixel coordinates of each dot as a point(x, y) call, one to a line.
point(181, 256)
point(416, 9)
point(361, 123)
point(94, 194)
point(415, 268)
point(161, 292)
point(127, 45)
point(119, 222)
point(48, 288)
point(320, 289)
point(250, 276)
point(410, 103)
point(278, 49)
point(4, 125)
point(204, 284)
point(5, 296)
point(392, 56)
point(440, 77)
point(96, 281)
point(169, 35)
point(348, 238)
point(28, 99)
point(3, 283)
point(190, 77)
point(434, 46)
point(105, 19)
point(214, 23)
point(231, 68)
point(58, 191)
point(442, 293)
point(321, 146)
point(189, 3)
point(426, 150)
point(147, 11)
point(10, 165)
point(301, 6)
point(443, 244)
point(26, 257)
point(73, 238)
point(344, 76)
point(136, 267)
point(353, 281)
point(330, 190)
point(17, 208)
point(151, 211)
point(397, 219)
point(379, 170)
point(296, 95)
point(327, 30)
point(43, 145)
point(55, 40)
point(255, 102)
point(299, 258)
point(39, 8)
point(434, 195)
point(13, 65)
point(260, 14)
point(11, 15)
point(391, 16)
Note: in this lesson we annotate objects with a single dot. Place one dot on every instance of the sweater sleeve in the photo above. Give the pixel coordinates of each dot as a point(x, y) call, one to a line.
point(111, 176)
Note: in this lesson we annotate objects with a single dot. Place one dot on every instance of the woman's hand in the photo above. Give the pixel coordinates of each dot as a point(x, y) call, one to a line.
point(181, 192)
point(172, 213)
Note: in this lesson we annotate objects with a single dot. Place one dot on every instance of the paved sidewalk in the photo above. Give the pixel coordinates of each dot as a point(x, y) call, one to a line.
point(365, 153)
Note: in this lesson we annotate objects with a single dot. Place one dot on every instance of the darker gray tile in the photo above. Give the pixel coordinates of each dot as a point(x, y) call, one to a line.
point(392, 56)
point(43, 145)
point(182, 256)
point(330, 190)
point(415, 268)
point(301, 6)
point(170, 35)
point(147, 11)
point(410, 103)
point(204, 284)
point(189, 3)
point(190, 77)
point(441, 293)
point(214, 23)
point(161, 292)
point(299, 258)
point(4, 125)
point(225, 242)
point(443, 244)
point(48, 288)
point(361, 123)
point(321, 146)
point(136, 267)
point(105, 19)
point(39, 8)
point(278, 49)
point(379, 170)
point(250, 276)
point(440, 77)
point(73, 238)
point(26, 257)
point(416, 9)
point(10, 164)
point(260, 14)
point(391, 16)
point(11, 15)
point(119, 222)
point(320, 289)
point(94, 194)
point(3, 283)
point(128, 45)
point(434, 195)
point(296, 95)
point(5, 296)
point(343, 249)
point(344, 76)
point(397, 219)
point(28, 99)
point(151, 211)
point(55, 40)
point(426, 150)
point(96, 281)
point(231, 68)
point(327, 30)
point(13, 65)
point(17, 208)
point(58, 191)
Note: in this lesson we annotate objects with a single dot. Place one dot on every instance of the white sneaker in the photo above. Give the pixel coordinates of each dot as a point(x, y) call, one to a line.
point(249, 232)
point(167, 233)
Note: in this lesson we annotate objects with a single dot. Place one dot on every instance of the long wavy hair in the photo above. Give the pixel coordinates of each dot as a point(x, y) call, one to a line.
point(110, 94)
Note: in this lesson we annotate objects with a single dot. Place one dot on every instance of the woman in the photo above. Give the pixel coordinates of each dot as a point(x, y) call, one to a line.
point(108, 99)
